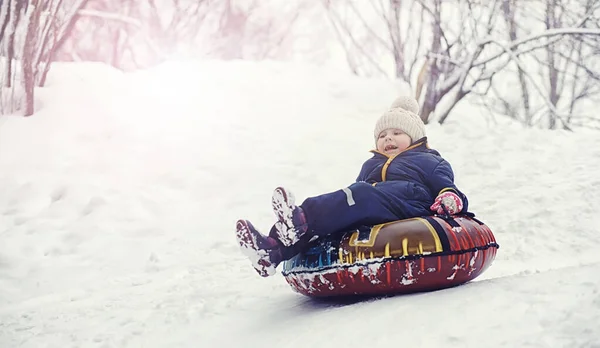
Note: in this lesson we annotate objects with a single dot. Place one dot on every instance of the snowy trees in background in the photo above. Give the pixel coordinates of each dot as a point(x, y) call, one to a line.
point(130, 34)
point(557, 64)
point(537, 61)
point(30, 33)
point(450, 49)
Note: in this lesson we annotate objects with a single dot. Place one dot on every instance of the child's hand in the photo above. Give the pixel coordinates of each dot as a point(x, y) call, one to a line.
point(450, 200)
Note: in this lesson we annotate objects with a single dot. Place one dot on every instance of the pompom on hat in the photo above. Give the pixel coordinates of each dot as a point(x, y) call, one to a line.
point(404, 115)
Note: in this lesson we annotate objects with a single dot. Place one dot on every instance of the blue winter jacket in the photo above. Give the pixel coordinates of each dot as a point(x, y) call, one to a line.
point(413, 177)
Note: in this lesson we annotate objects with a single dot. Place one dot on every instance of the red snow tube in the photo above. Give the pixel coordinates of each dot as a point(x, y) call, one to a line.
point(419, 254)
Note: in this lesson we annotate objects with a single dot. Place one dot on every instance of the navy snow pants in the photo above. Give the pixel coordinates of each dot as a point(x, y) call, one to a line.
point(360, 204)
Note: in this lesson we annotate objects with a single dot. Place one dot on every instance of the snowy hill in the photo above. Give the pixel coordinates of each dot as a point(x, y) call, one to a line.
point(119, 199)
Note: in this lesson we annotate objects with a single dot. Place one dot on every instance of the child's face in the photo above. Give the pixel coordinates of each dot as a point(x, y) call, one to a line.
point(392, 141)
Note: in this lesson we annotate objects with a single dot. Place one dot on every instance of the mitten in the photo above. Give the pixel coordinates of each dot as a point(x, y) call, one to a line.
point(450, 200)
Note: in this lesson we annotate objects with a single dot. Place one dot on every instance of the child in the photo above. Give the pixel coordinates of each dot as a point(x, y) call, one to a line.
point(403, 179)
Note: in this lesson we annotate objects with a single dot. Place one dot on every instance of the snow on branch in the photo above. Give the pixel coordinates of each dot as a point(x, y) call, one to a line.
point(513, 45)
point(538, 88)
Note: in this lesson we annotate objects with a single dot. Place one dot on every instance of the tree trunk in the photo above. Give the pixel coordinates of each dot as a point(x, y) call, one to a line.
point(4, 21)
point(10, 55)
point(10, 49)
point(459, 95)
point(58, 42)
point(28, 64)
point(552, 69)
point(509, 8)
point(396, 37)
point(431, 98)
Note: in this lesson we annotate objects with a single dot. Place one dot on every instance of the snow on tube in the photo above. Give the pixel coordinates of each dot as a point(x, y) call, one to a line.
point(404, 256)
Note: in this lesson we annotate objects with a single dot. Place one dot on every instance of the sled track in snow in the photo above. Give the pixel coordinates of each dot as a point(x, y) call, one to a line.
point(538, 270)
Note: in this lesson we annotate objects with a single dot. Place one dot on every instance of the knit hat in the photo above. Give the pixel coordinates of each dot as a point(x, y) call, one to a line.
point(403, 114)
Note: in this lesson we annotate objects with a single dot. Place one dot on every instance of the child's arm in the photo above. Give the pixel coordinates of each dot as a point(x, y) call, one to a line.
point(365, 170)
point(441, 180)
point(362, 176)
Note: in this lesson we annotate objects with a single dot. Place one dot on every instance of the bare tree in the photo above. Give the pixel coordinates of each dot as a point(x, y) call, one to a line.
point(141, 34)
point(252, 31)
point(428, 53)
point(567, 68)
point(464, 56)
point(128, 42)
point(368, 30)
point(33, 30)
point(509, 14)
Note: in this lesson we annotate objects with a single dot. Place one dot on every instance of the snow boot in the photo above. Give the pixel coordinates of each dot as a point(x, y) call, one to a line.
point(263, 251)
point(292, 224)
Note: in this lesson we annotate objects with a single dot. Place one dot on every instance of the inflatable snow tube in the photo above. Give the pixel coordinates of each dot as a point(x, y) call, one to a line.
point(404, 256)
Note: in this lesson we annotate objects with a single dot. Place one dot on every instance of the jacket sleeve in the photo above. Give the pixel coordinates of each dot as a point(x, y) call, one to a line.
point(362, 176)
point(442, 180)
point(366, 171)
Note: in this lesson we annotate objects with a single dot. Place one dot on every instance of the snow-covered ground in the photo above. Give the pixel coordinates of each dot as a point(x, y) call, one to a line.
point(118, 202)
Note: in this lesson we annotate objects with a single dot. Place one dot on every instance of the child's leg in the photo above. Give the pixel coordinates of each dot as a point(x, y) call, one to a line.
point(291, 225)
point(360, 204)
point(287, 252)
point(263, 251)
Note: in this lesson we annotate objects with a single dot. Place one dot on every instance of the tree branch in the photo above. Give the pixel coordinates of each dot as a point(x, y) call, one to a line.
point(549, 104)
